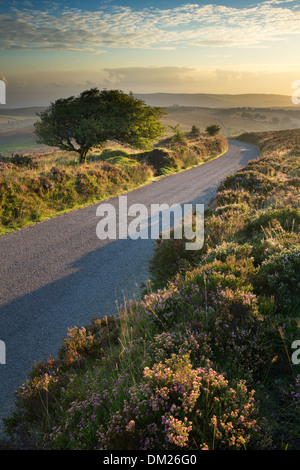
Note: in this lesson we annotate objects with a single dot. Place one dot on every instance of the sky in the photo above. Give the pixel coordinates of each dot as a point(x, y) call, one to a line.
point(50, 50)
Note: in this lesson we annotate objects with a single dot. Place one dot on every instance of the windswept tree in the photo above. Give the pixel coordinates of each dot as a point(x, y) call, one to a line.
point(78, 124)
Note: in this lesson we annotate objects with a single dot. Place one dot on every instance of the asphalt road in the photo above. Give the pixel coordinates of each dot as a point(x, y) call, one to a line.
point(58, 273)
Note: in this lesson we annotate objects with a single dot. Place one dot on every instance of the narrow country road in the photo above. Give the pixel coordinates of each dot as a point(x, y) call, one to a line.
point(57, 273)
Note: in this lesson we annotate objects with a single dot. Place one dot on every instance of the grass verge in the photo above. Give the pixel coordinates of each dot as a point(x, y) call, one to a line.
point(39, 186)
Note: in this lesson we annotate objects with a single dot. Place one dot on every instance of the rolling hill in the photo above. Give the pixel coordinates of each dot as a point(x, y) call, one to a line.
point(216, 100)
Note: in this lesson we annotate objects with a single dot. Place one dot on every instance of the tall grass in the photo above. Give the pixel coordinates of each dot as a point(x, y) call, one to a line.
point(38, 186)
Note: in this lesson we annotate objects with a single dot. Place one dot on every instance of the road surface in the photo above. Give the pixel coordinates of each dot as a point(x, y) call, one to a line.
point(58, 273)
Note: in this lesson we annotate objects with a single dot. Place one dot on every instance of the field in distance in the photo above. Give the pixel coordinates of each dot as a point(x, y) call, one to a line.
point(16, 125)
point(235, 121)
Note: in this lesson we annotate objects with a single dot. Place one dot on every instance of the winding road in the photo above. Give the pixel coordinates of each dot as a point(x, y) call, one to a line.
point(58, 273)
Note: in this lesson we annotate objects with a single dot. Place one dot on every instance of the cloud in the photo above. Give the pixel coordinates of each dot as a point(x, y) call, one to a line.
point(154, 78)
point(209, 79)
point(73, 29)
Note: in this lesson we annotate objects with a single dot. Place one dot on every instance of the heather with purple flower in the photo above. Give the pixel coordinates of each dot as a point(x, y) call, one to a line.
point(175, 406)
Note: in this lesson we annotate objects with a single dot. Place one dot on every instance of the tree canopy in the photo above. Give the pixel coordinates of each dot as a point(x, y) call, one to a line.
point(80, 123)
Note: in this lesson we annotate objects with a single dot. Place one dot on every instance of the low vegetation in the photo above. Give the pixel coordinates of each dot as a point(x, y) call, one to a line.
point(40, 185)
point(274, 141)
point(204, 359)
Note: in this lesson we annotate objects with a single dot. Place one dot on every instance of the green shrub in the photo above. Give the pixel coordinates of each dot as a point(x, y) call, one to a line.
point(20, 160)
point(37, 399)
point(160, 159)
point(195, 131)
point(279, 275)
point(249, 180)
point(224, 226)
point(288, 218)
point(82, 343)
point(178, 136)
point(233, 196)
point(170, 258)
point(214, 129)
point(226, 249)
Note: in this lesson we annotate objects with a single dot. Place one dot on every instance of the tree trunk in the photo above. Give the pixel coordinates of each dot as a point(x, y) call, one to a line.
point(82, 155)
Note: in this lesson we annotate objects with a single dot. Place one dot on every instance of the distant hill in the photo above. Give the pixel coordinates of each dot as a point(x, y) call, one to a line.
point(22, 111)
point(202, 100)
point(216, 101)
